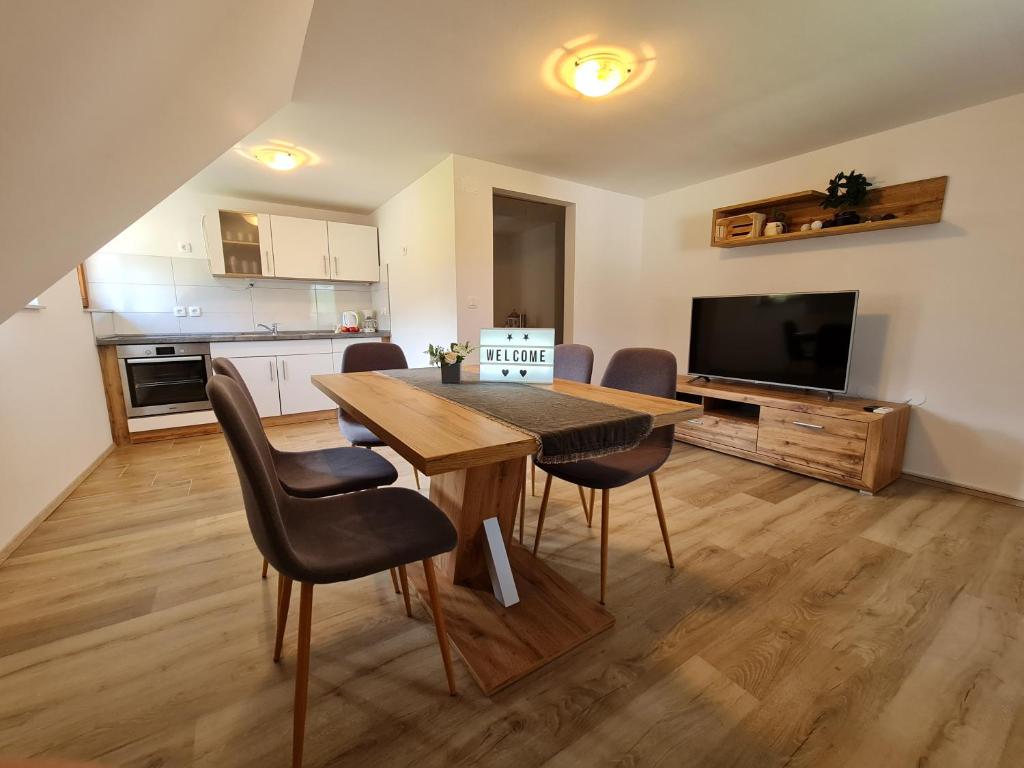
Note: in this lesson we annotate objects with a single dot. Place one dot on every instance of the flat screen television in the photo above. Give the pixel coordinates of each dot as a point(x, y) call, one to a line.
point(789, 339)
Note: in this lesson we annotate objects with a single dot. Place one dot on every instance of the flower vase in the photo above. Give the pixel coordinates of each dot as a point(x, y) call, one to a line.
point(451, 374)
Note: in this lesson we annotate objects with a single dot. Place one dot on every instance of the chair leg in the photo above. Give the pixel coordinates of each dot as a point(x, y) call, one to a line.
point(604, 541)
point(416, 475)
point(533, 478)
point(592, 507)
point(302, 673)
point(661, 520)
point(266, 565)
point(522, 511)
point(284, 598)
point(442, 632)
point(394, 582)
point(587, 511)
point(540, 515)
point(405, 589)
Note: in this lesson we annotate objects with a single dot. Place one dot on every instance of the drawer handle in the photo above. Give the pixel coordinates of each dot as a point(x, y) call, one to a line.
point(695, 421)
point(808, 426)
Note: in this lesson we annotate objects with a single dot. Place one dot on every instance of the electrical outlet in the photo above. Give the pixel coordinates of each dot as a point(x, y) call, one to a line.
point(184, 247)
point(195, 311)
point(179, 311)
point(472, 302)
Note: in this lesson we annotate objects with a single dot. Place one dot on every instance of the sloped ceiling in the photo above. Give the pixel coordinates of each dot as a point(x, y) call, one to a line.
point(108, 106)
point(388, 88)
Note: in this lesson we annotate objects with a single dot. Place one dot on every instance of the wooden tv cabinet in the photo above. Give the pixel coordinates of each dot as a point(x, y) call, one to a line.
point(833, 440)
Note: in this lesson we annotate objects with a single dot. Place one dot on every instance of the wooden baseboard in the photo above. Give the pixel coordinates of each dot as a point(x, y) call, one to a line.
point(213, 428)
point(8, 549)
point(923, 480)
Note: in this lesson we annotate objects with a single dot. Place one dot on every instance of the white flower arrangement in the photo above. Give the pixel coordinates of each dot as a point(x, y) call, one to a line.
point(453, 354)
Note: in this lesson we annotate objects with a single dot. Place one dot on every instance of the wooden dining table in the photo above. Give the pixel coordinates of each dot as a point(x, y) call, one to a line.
point(477, 469)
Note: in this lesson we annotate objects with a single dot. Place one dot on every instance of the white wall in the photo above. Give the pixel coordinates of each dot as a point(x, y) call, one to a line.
point(112, 105)
point(604, 284)
point(53, 416)
point(140, 276)
point(417, 245)
point(941, 308)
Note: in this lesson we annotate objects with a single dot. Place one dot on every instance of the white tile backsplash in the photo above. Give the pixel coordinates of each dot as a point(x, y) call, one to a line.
point(128, 268)
point(142, 291)
point(131, 297)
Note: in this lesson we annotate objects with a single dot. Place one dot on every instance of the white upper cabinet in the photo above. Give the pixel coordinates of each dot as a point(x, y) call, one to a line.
point(239, 244)
point(353, 251)
point(300, 248)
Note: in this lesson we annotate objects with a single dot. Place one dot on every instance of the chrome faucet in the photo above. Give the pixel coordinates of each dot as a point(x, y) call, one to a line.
point(273, 328)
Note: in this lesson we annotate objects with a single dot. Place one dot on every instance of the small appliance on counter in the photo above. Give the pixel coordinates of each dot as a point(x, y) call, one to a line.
point(369, 324)
point(350, 322)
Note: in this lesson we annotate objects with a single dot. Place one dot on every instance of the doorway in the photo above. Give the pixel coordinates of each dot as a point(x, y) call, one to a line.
point(529, 264)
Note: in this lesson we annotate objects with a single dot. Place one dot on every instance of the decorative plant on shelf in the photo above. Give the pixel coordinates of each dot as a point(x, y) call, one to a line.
point(845, 192)
point(450, 359)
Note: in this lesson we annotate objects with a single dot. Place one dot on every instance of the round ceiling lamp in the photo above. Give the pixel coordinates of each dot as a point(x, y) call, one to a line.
point(598, 74)
point(279, 155)
point(585, 67)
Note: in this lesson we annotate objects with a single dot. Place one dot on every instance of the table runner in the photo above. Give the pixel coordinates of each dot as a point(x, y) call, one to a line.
point(567, 428)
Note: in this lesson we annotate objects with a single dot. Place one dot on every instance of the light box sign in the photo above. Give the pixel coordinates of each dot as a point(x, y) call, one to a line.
point(525, 355)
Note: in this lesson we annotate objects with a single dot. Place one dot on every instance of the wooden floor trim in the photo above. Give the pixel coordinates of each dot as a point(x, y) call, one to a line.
point(8, 549)
point(969, 490)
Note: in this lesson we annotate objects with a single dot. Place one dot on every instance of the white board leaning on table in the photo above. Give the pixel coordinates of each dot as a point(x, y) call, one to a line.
point(525, 355)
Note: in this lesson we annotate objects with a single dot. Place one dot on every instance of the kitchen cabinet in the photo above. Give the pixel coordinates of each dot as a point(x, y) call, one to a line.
point(239, 244)
point(261, 377)
point(300, 248)
point(298, 395)
point(353, 252)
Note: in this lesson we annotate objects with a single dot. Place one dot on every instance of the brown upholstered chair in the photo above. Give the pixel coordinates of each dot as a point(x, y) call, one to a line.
point(323, 472)
point(369, 356)
point(573, 362)
point(649, 372)
point(326, 540)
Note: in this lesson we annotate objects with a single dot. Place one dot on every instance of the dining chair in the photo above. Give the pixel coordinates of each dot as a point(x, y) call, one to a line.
point(369, 356)
point(645, 371)
point(326, 540)
point(573, 362)
point(321, 472)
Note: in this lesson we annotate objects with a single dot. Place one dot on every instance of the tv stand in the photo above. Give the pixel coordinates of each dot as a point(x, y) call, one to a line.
point(698, 378)
point(833, 439)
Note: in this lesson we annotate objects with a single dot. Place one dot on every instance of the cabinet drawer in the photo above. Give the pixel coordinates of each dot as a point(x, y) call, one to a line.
point(823, 442)
point(737, 433)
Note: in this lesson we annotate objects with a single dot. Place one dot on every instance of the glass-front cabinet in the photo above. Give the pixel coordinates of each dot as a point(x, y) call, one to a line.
point(239, 244)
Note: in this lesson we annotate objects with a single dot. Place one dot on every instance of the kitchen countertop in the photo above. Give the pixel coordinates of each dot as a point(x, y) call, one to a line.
point(186, 338)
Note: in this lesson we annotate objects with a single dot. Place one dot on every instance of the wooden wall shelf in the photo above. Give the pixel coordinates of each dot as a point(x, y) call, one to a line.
point(913, 204)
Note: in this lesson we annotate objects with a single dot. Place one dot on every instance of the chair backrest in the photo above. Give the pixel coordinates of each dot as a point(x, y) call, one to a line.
point(644, 370)
point(372, 356)
point(225, 367)
point(649, 372)
point(574, 362)
point(262, 493)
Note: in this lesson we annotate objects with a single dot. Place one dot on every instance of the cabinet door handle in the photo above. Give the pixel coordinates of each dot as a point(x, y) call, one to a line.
point(337, 272)
point(266, 255)
point(271, 364)
point(327, 270)
point(808, 426)
point(696, 421)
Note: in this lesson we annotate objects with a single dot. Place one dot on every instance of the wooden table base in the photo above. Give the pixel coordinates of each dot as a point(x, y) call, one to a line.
point(502, 645)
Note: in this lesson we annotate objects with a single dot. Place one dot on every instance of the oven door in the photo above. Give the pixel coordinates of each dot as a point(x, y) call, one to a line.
point(165, 384)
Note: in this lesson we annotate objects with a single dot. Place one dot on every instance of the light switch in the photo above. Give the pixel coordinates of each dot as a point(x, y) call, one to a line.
point(472, 302)
point(194, 311)
point(179, 311)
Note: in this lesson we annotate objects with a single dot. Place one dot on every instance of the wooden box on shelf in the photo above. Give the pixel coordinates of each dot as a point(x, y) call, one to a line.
point(745, 225)
point(835, 440)
point(912, 204)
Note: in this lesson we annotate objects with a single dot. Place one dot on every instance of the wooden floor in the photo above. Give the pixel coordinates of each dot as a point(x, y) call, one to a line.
point(804, 625)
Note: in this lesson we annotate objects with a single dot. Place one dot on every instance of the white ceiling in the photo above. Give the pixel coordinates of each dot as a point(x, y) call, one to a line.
point(387, 89)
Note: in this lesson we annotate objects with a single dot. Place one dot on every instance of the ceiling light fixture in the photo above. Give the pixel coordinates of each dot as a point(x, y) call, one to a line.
point(598, 74)
point(279, 155)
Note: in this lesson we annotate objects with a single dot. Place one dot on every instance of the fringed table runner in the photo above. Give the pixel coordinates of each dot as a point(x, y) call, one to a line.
point(566, 428)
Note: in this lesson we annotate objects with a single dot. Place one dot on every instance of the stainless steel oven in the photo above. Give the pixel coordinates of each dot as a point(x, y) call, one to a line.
point(164, 378)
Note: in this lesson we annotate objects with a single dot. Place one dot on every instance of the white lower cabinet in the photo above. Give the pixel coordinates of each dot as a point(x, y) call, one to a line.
point(298, 395)
point(260, 375)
